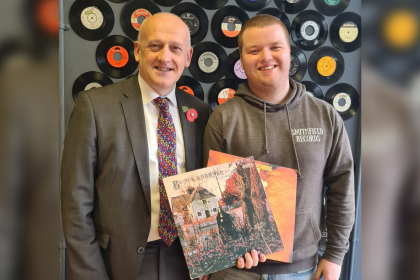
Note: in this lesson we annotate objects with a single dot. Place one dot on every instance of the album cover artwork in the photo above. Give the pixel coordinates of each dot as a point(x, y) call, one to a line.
point(280, 186)
point(221, 212)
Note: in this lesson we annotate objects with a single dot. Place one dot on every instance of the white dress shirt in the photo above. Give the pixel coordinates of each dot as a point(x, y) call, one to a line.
point(151, 115)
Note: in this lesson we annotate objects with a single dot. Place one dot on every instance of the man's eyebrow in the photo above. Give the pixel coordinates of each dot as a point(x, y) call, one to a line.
point(273, 43)
point(250, 47)
point(176, 43)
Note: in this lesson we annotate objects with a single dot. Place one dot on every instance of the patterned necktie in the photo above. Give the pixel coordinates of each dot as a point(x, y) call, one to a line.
point(167, 167)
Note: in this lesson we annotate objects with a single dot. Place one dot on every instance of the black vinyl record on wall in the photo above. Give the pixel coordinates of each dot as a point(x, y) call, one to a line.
point(191, 86)
point(331, 7)
point(91, 19)
point(298, 64)
point(167, 3)
point(345, 99)
point(195, 18)
point(309, 30)
point(209, 62)
point(115, 56)
point(292, 6)
point(326, 66)
point(313, 89)
point(235, 70)
point(89, 80)
point(221, 92)
point(132, 15)
point(226, 24)
point(345, 32)
point(252, 5)
point(278, 14)
point(211, 4)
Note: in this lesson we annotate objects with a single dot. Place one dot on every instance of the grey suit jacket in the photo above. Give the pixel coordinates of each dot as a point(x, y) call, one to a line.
point(105, 179)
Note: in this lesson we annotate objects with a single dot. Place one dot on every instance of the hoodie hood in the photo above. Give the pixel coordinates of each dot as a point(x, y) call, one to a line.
point(298, 92)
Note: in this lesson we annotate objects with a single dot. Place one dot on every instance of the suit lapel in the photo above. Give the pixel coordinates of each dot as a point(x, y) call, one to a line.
point(188, 132)
point(134, 116)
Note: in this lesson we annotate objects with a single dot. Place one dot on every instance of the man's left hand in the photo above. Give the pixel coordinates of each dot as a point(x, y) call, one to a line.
point(250, 260)
point(330, 270)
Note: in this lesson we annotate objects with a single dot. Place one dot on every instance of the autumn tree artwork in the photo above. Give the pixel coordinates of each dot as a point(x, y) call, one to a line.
point(221, 212)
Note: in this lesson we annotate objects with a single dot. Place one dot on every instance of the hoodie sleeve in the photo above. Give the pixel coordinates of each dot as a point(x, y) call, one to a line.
point(339, 180)
point(213, 138)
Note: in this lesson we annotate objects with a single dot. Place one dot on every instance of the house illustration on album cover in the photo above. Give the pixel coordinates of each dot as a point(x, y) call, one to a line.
point(221, 212)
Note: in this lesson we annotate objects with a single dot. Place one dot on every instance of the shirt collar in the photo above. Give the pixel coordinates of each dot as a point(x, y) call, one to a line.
point(148, 94)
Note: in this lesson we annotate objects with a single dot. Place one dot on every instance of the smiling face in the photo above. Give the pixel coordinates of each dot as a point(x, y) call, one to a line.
point(163, 52)
point(265, 57)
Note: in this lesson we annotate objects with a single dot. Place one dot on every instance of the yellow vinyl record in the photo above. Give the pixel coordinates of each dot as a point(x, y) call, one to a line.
point(326, 66)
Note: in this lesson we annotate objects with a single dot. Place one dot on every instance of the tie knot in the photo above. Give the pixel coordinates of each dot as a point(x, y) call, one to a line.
point(162, 102)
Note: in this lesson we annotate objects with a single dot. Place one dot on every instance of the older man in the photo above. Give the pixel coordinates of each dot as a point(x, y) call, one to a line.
point(121, 141)
point(272, 119)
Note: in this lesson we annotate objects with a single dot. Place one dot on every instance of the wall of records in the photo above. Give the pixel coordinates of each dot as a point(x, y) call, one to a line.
point(325, 37)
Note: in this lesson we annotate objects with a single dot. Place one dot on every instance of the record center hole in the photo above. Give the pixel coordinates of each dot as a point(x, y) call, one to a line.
point(117, 56)
point(140, 19)
point(231, 26)
point(309, 30)
point(342, 102)
point(208, 62)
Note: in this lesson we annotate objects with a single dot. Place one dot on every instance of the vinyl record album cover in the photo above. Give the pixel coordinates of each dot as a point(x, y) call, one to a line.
point(280, 186)
point(221, 212)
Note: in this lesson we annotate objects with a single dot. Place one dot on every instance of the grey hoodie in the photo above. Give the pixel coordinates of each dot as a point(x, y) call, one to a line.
point(304, 133)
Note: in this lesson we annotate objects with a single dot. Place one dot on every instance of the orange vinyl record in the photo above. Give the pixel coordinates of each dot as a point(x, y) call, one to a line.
point(326, 66)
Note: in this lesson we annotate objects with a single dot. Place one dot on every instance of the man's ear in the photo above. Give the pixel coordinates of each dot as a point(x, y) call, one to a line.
point(189, 57)
point(137, 51)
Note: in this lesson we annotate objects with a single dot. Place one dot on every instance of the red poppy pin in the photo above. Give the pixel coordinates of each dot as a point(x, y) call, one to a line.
point(190, 113)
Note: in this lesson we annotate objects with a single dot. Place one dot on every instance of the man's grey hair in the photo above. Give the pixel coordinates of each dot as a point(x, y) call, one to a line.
point(168, 15)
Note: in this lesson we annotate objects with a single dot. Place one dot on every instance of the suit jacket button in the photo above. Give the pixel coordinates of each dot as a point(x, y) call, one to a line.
point(147, 213)
point(140, 250)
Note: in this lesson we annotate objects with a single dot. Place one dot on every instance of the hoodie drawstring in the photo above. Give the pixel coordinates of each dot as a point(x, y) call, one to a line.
point(300, 176)
point(265, 128)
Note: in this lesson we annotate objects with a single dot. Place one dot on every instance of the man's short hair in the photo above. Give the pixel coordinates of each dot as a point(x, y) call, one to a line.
point(261, 21)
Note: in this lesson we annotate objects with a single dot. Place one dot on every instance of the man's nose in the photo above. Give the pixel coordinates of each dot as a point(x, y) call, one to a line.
point(165, 54)
point(266, 55)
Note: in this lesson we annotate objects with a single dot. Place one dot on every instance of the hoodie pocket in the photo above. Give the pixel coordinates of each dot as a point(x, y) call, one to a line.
point(306, 229)
point(102, 238)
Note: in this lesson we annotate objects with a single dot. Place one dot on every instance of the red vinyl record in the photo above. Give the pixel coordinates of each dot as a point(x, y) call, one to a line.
point(115, 56)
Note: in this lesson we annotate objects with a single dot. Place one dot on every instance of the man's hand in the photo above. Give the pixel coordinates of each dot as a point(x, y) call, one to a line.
point(206, 277)
point(250, 260)
point(330, 270)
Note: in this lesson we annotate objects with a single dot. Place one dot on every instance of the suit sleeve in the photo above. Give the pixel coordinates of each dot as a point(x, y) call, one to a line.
point(213, 138)
point(339, 180)
point(78, 172)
